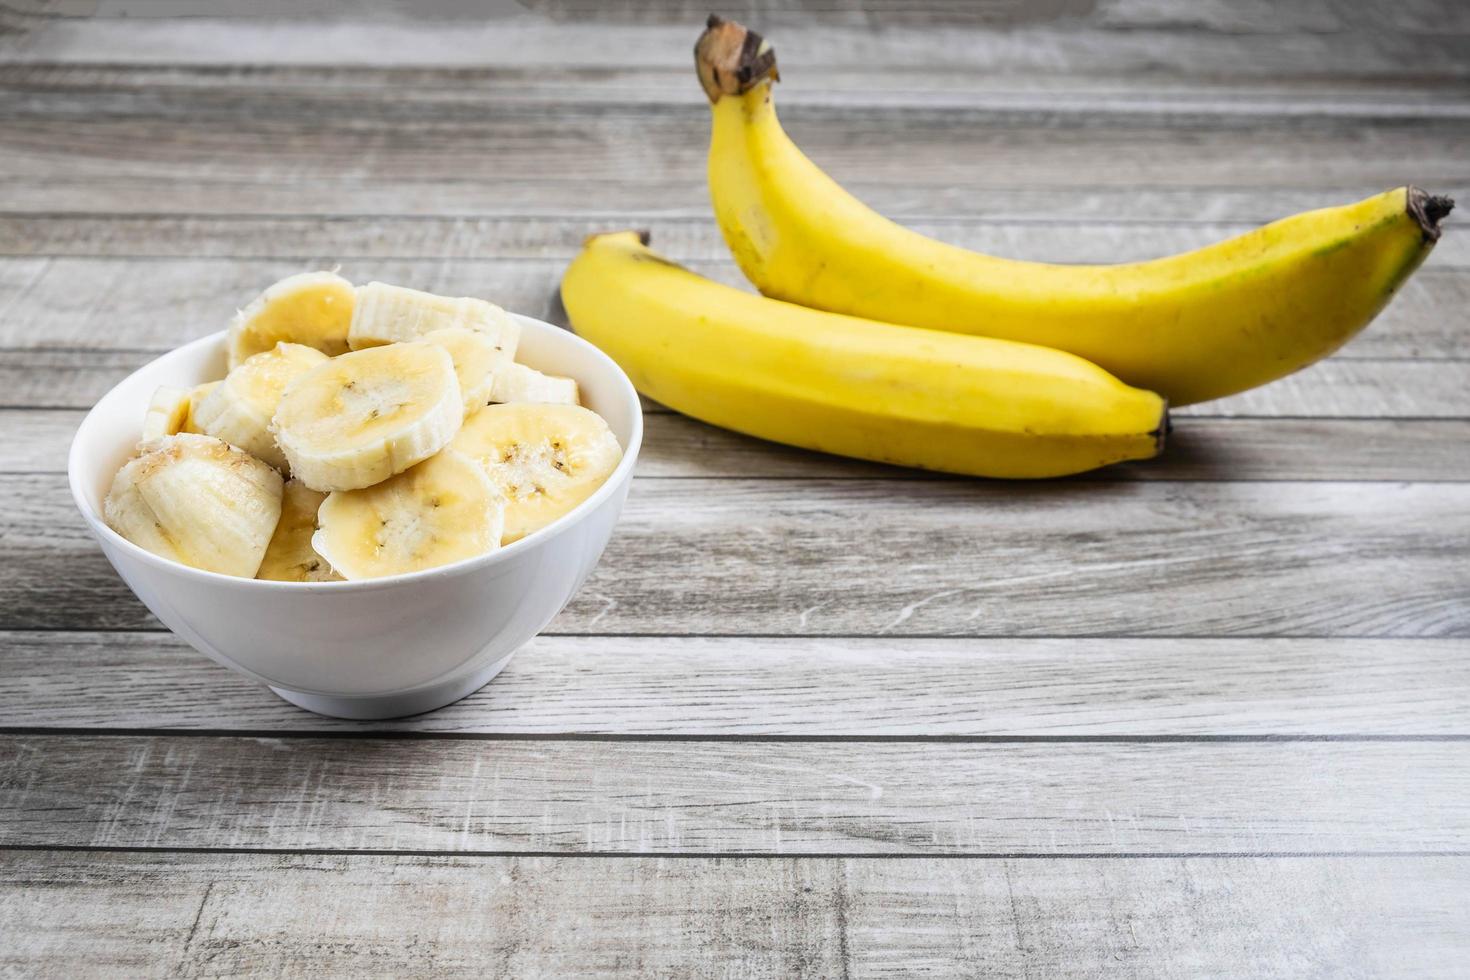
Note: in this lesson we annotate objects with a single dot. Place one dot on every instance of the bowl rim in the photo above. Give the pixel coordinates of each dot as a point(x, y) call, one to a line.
point(620, 475)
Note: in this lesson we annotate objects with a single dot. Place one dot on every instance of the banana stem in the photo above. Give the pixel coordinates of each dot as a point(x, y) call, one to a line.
point(1429, 210)
point(732, 60)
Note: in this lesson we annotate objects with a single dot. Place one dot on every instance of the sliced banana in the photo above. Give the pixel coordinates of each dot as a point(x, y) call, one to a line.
point(197, 500)
point(443, 510)
point(196, 397)
point(517, 383)
point(360, 418)
point(313, 308)
point(168, 412)
point(290, 557)
point(545, 459)
point(239, 409)
point(476, 359)
point(389, 314)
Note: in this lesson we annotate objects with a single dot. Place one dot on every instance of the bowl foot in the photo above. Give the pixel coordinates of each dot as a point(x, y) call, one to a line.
point(380, 706)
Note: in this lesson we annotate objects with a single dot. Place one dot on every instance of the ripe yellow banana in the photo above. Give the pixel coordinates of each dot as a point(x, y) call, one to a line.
point(926, 398)
point(1192, 327)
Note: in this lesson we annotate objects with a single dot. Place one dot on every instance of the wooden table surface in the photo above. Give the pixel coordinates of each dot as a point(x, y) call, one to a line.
point(1204, 716)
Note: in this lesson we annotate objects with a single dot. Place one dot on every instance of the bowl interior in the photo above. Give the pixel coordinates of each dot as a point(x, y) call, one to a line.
point(109, 433)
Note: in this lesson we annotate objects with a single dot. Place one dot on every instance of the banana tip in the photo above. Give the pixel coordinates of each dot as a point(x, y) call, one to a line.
point(1428, 210)
point(1161, 434)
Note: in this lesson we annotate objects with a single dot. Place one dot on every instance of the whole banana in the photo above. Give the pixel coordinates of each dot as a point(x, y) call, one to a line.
point(839, 384)
point(1192, 327)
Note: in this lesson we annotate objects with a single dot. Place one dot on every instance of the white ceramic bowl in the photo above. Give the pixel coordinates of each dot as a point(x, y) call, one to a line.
point(383, 647)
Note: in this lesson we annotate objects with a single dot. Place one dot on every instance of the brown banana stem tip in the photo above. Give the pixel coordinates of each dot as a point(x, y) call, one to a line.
point(1429, 210)
point(731, 60)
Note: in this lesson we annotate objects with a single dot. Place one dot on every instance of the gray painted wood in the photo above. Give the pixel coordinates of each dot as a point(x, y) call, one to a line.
point(188, 162)
point(680, 796)
point(1274, 195)
point(155, 173)
point(479, 240)
point(1340, 388)
point(921, 557)
point(56, 304)
point(1167, 39)
point(786, 687)
point(1205, 448)
point(323, 915)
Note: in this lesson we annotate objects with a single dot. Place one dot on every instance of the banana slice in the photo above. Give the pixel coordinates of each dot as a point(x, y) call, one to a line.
point(239, 409)
point(197, 500)
point(476, 359)
point(290, 556)
point(360, 418)
point(390, 314)
point(518, 383)
point(546, 459)
point(313, 308)
point(443, 510)
point(196, 396)
point(168, 412)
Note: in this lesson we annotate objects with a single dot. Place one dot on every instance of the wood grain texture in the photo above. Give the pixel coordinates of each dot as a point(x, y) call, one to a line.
point(1209, 449)
point(781, 687)
point(1169, 39)
point(294, 137)
point(157, 171)
point(149, 914)
point(646, 797)
point(930, 557)
point(133, 193)
point(56, 304)
point(1342, 388)
point(693, 239)
point(183, 160)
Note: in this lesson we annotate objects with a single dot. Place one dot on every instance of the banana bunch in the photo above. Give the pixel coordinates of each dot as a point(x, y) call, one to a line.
point(879, 343)
point(360, 432)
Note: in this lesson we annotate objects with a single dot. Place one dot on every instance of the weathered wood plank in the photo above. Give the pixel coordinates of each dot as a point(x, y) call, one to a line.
point(771, 686)
point(1163, 39)
point(74, 379)
point(1264, 200)
point(1063, 96)
point(691, 238)
point(635, 797)
point(1285, 449)
point(972, 558)
point(107, 303)
point(157, 915)
point(181, 150)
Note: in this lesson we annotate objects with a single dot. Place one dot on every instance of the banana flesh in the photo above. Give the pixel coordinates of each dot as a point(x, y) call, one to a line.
point(515, 382)
point(390, 314)
point(443, 510)
point(376, 488)
point(240, 408)
point(476, 359)
point(1192, 327)
point(168, 412)
point(197, 500)
point(313, 308)
point(367, 415)
point(544, 459)
point(290, 556)
point(838, 384)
